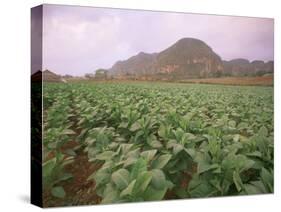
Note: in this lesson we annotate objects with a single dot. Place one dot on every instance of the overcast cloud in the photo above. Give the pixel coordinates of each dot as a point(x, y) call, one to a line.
point(79, 40)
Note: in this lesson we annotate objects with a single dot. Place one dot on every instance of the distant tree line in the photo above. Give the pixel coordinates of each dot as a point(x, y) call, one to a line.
point(100, 74)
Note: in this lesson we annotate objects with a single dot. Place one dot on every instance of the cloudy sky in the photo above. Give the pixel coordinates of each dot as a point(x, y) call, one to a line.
point(79, 40)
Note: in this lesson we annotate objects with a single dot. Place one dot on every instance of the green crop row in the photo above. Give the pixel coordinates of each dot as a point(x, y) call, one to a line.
point(163, 141)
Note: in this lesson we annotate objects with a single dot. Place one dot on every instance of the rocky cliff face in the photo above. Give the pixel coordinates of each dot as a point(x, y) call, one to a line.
point(138, 65)
point(189, 57)
point(243, 67)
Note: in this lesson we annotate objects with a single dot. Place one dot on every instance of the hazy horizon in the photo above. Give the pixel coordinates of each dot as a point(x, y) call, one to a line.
point(79, 40)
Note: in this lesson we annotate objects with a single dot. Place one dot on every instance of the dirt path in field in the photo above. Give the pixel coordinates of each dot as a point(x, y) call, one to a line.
point(78, 190)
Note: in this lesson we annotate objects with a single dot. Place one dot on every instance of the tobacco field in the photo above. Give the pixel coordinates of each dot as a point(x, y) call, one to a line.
point(155, 141)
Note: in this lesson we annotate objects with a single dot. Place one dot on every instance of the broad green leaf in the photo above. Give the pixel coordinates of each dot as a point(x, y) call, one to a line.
point(203, 189)
point(232, 123)
point(190, 152)
point(181, 192)
point(125, 148)
point(155, 144)
point(134, 153)
point(236, 137)
point(251, 189)
point(107, 155)
point(237, 181)
point(263, 131)
point(164, 131)
point(149, 154)
point(152, 194)
point(161, 131)
point(177, 148)
point(247, 165)
point(261, 144)
point(158, 179)
point(203, 166)
point(58, 192)
point(128, 190)
point(259, 184)
point(136, 126)
point(254, 154)
point(267, 179)
point(121, 178)
point(242, 125)
point(102, 176)
point(138, 135)
point(109, 188)
point(123, 125)
point(142, 182)
point(48, 166)
point(139, 167)
point(129, 161)
point(161, 161)
point(171, 144)
point(111, 197)
point(113, 145)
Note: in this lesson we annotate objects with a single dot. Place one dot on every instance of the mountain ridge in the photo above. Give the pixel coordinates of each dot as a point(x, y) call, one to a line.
point(190, 58)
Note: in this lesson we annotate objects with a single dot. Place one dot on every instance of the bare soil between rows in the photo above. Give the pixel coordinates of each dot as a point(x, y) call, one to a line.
point(79, 191)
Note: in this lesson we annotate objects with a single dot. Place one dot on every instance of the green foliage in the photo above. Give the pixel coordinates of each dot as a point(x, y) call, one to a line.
point(53, 174)
point(192, 140)
point(58, 192)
